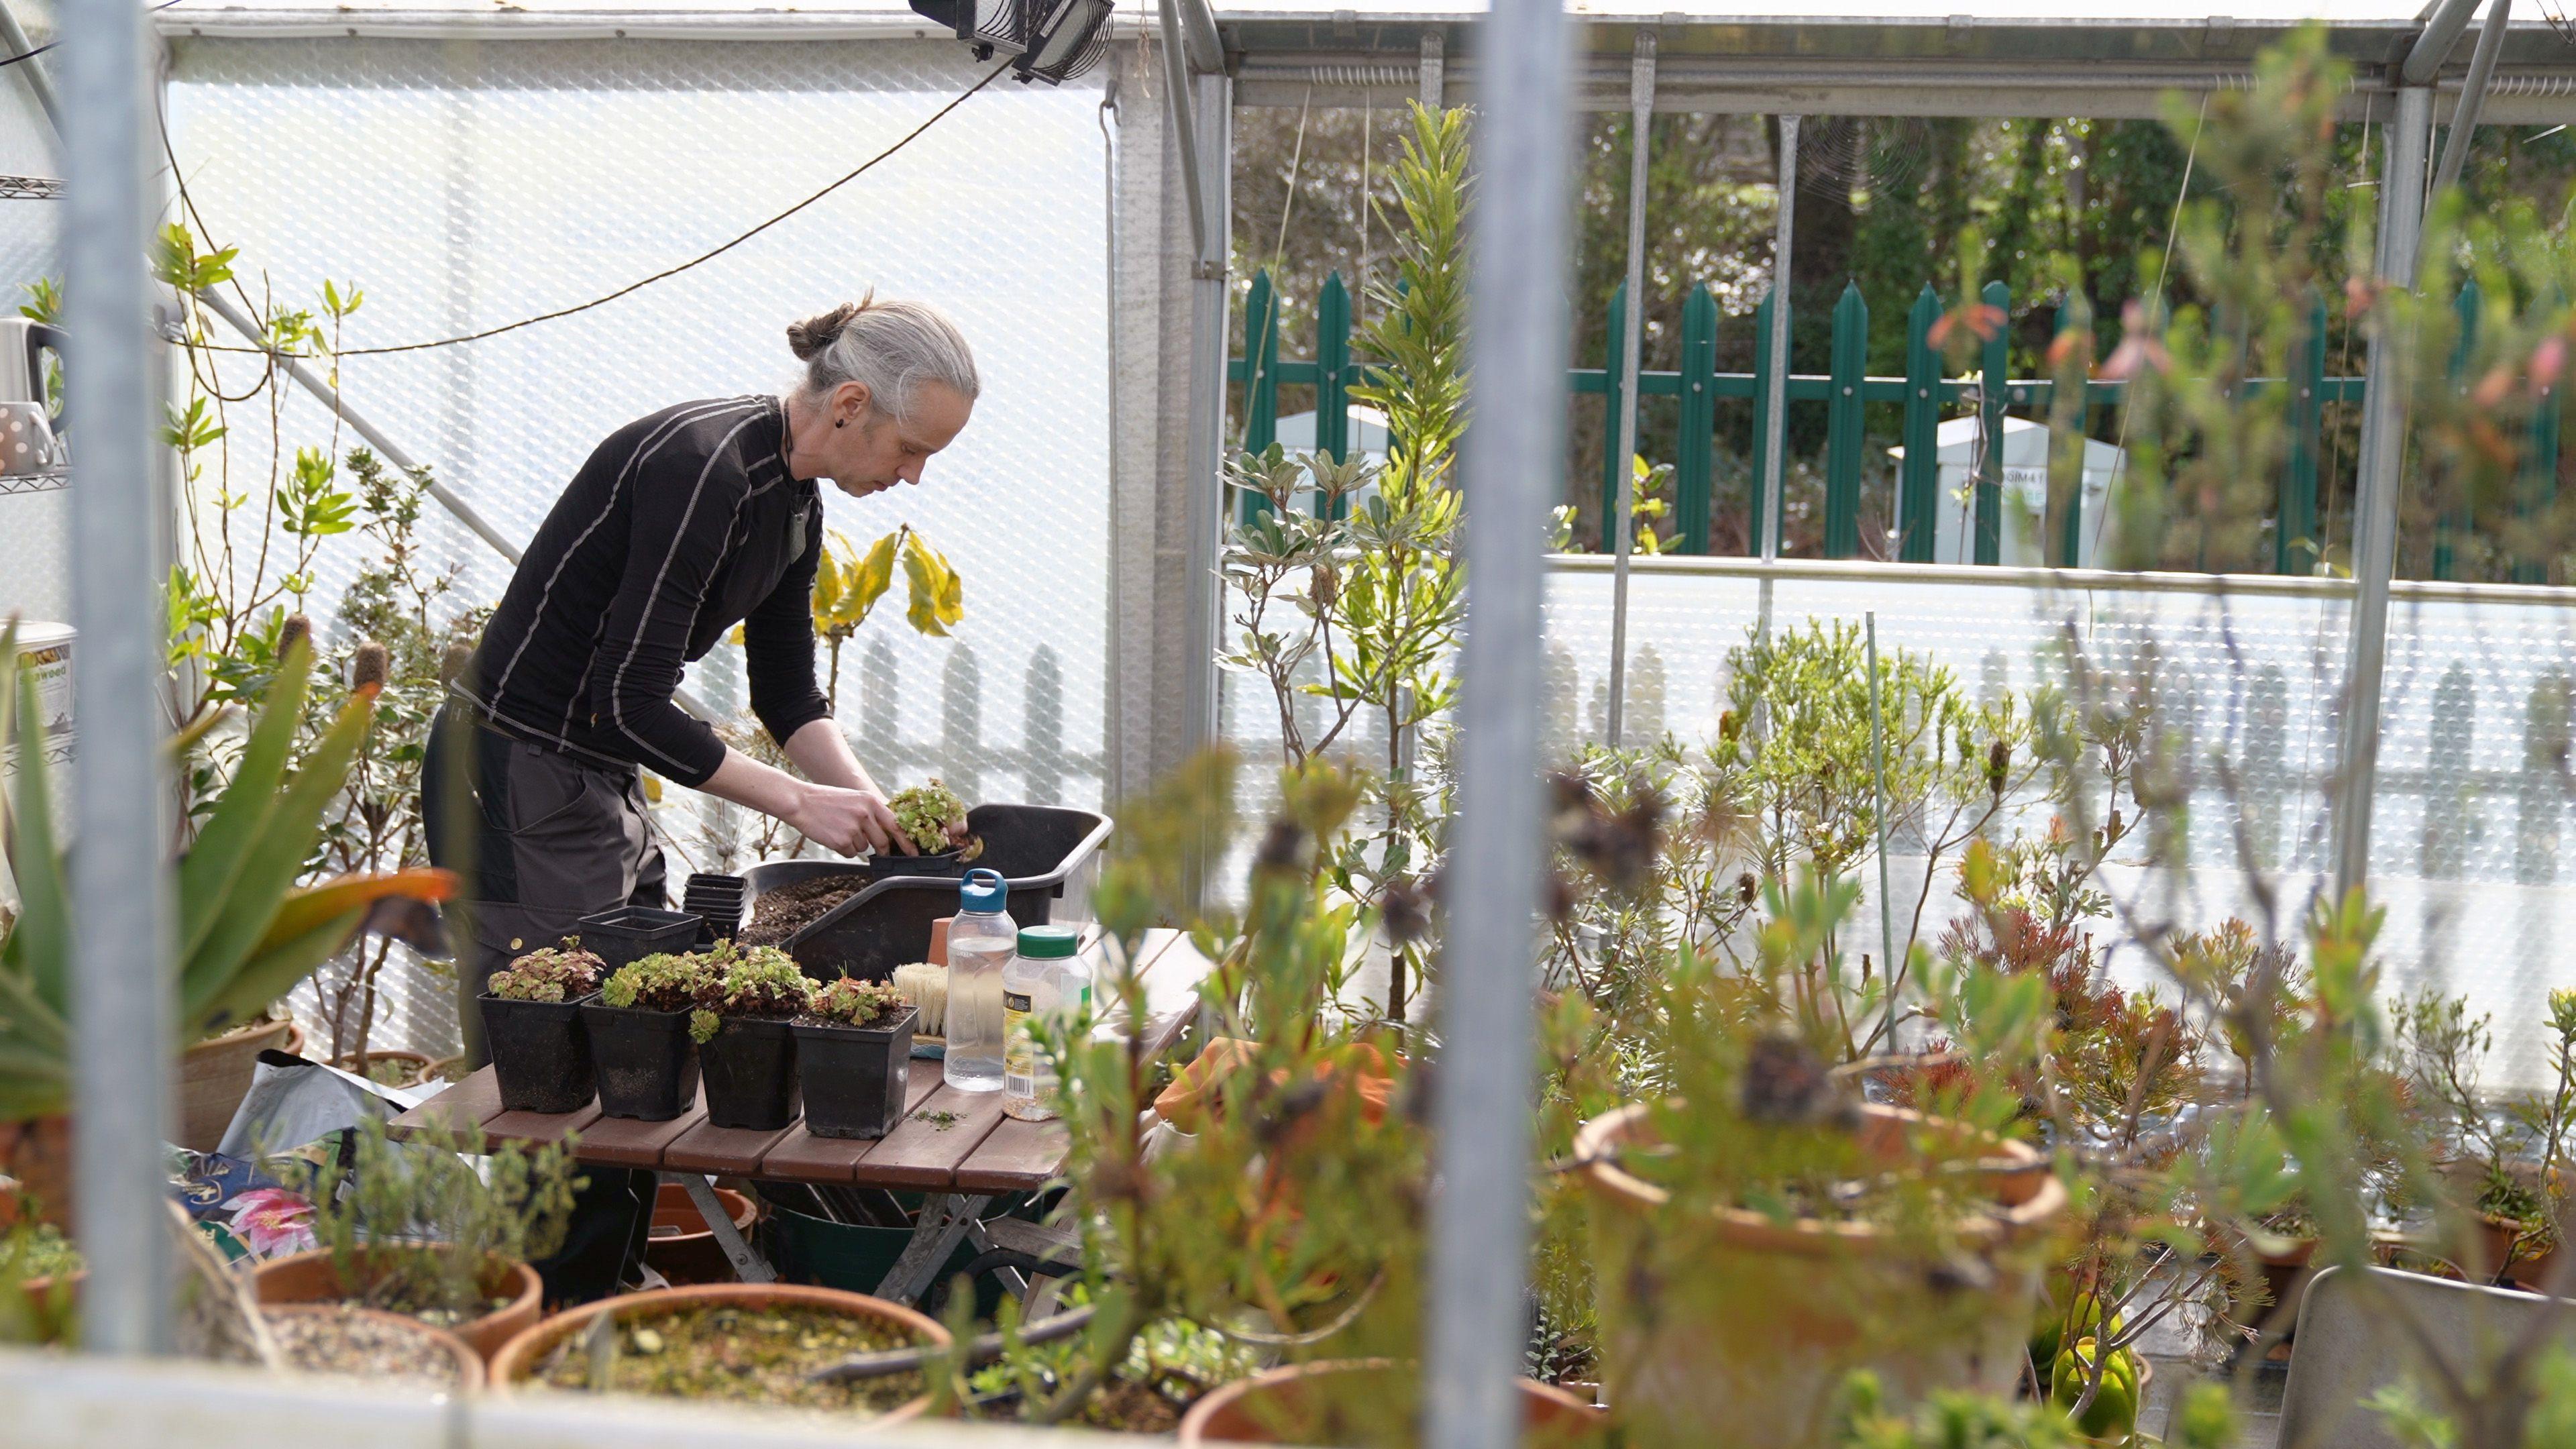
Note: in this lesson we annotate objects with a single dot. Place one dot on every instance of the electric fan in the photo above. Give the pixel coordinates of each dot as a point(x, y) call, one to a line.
point(1048, 40)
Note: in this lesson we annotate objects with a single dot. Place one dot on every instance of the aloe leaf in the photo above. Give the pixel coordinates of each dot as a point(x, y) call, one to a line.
point(304, 909)
point(270, 973)
point(271, 859)
point(215, 862)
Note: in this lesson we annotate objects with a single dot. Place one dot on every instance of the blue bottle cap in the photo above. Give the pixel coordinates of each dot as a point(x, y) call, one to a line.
point(984, 893)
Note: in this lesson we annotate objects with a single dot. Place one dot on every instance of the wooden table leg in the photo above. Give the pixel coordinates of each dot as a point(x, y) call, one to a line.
point(944, 1222)
point(748, 1265)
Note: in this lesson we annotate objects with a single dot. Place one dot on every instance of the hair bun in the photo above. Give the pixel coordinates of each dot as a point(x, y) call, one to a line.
point(811, 336)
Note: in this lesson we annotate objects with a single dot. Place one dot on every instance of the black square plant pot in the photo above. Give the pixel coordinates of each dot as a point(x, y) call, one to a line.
point(750, 1074)
point(645, 1063)
point(540, 1053)
point(854, 1076)
point(631, 933)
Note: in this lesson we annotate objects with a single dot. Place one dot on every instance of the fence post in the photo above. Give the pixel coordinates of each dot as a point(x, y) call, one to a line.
point(1695, 458)
point(2294, 536)
point(1843, 424)
point(1919, 477)
point(1611, 462)
point(1761, 422)
point(2457, 519)
point(2069, 433)
point(1332, 364)
point(1261, 387)
point(2536, 492)
point(1990, 415)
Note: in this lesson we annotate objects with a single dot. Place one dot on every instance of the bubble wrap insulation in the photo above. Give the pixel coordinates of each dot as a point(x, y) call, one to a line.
point(466, 185)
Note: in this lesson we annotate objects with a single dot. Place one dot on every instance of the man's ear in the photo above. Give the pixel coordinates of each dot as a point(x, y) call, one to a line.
point(854, 401)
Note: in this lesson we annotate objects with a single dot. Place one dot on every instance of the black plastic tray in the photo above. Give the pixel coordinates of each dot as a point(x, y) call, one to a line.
point(1046, 853)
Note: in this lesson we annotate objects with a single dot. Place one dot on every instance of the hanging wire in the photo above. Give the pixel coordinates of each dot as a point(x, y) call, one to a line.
point(666, 273)
point(2155, 305)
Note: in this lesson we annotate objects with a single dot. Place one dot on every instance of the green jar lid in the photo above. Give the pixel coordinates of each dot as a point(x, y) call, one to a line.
point(1047, 942)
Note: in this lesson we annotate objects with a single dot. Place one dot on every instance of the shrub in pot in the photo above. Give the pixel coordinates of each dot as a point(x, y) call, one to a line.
point(418, 1230)
point(386, 1349)
point(746, 1046)
point(641, 1054)
point(247, 931)
point(752, 1343)
point(532, 1021)
point(853, 1057)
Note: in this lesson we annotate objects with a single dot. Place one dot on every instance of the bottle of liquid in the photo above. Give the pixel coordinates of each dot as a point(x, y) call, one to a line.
point(1034, 992)
point(981, 942)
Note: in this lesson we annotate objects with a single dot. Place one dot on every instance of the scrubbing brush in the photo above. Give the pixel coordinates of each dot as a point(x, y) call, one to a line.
point(926, 987)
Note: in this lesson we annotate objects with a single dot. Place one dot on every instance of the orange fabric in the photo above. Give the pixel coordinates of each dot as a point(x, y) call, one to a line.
point(1195, 1093)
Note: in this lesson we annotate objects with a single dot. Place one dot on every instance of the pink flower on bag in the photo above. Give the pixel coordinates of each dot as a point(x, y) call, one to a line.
point(271, 1222)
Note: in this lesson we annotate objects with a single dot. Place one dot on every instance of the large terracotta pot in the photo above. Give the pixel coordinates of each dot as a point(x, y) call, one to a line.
point(1330, 1403)
point(311, 1278)
point(215, 1075)
point(38, 1154)
point(519, 1358)
point(1730, 1317)
point(682, 1247)
point(469, 1364)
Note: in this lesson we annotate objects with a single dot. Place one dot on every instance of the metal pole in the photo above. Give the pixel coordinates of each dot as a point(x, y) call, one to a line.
point(1432, 80)
point(2433, 47)
point(1514, 442)
point(2383, 447)
point(1203, 509)
point(1775, 420)
point(1176, 87)
point(1641, 115)
point(31, 69)
point(2473, 96)
point(120, 883)
point(1878, 808)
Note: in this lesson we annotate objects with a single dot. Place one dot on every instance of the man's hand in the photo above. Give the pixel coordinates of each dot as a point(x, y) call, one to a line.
point(849, 821)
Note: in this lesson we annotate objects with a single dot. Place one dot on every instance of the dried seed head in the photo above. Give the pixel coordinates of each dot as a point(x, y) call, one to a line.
point(372, 664)
point(451, 665)
point(296, 630)
point(1746, 888)
point(1406, 910)
point(1998, 764)
point(1326, 585)
point(1786, 1085)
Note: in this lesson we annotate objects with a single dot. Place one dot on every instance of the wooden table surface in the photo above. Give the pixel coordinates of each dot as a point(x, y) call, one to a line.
point(948, 1141)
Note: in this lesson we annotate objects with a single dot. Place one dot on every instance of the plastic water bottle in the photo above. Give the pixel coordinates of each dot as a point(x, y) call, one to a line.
point(1034, 993)
point(981, 943)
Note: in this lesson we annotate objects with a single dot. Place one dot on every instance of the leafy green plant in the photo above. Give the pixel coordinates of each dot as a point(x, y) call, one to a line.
point(416, 1228)
point(761, 981)
point(549, 973)
point(661, 982)
point(852, 1002)
point(927, 814)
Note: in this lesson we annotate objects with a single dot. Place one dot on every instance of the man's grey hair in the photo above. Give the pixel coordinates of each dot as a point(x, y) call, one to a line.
point(891, 347)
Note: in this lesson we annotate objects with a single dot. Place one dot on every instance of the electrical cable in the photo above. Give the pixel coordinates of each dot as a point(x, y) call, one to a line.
point(666, 273)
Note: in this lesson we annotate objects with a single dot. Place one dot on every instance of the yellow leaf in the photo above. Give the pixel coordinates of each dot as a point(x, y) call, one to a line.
point(938, 594)
point(870, 578)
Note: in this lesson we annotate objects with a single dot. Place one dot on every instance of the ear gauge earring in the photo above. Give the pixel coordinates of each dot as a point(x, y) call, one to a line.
point(840, 422)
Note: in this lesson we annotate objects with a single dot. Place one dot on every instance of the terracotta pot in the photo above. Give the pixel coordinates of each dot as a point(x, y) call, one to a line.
point(214, 1076)
point(1731, 1317)
point(469, 1364)
point(38, 1154)
point(682, 1247)
point(519, 1358)
point(1298, 1402)
point(311, 1278)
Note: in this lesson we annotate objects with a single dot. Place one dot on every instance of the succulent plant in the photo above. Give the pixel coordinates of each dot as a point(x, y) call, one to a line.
point(747, 981)
point(660, 982)
point(852, 1002)
point(549, 973)
point(924, 814)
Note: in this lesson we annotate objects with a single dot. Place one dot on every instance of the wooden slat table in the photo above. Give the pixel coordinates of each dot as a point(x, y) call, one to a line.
point(956, 1146)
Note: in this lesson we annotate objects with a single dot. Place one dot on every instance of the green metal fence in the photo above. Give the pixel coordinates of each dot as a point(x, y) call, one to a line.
point(1845, 389)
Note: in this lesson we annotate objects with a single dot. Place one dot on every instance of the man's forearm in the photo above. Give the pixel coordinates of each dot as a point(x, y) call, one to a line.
point(823, 753)
point(755, 786)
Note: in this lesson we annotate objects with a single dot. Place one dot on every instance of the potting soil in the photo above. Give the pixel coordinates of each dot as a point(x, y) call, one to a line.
point(787, 910)
point(357, 1343)
point(741, 1355)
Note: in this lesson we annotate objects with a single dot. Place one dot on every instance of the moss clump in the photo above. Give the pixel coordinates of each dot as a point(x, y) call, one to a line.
point(740, 1355)
point(550, 973)
point(852, 1002)
point(925, 813)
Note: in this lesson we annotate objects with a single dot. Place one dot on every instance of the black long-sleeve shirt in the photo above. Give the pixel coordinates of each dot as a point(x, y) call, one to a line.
point(679, 526)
